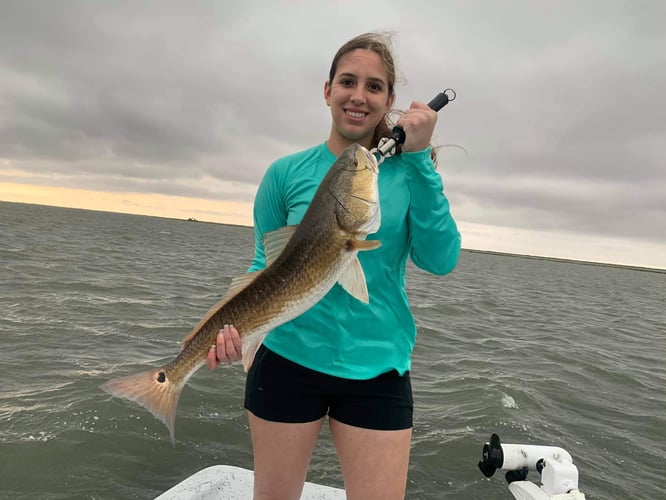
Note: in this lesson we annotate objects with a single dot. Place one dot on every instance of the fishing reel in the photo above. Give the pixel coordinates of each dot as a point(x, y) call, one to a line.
point(387, 145)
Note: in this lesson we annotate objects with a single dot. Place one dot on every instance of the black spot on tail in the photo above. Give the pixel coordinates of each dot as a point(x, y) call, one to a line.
point(161, 377)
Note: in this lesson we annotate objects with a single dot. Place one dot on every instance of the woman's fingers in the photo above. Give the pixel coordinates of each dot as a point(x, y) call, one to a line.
point(227, 348)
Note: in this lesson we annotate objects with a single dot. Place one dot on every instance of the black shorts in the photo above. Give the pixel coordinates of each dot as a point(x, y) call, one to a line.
point(283, 391)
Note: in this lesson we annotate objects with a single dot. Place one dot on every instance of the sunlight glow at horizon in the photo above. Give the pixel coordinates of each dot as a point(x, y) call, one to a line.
point(474, 236)
point(158, 205)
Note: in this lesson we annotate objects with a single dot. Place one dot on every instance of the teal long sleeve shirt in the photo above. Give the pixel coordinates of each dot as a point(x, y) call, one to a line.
point(340, 335)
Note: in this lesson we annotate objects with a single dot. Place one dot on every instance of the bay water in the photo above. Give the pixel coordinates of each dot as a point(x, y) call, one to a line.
point(539, 351)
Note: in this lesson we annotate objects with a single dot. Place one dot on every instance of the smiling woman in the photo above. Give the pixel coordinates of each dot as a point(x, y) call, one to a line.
point(359, 96)
point(344, 359)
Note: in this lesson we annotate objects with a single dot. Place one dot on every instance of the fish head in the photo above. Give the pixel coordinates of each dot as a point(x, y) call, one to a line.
point(355, 189)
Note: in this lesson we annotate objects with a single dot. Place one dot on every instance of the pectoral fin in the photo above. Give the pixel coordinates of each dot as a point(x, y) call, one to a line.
point(353, 281)
point(363, 245)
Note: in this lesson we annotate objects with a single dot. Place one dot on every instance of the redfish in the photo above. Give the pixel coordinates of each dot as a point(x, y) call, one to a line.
point(303, 263)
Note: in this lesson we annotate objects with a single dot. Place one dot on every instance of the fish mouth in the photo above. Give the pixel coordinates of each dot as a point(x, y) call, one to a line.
point(372, 161)
point(368, 161)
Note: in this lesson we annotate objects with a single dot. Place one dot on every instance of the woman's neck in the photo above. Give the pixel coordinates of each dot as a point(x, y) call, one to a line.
point(337, 144)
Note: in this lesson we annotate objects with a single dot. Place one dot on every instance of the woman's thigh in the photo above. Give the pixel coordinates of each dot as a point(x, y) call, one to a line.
point(282, 453)
point(374, 462)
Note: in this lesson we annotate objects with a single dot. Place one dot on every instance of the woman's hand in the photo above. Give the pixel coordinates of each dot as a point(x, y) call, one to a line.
point(418, 122)
point(227, 349)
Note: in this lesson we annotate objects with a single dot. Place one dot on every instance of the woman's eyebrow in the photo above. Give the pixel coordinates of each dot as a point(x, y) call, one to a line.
point(373, 79)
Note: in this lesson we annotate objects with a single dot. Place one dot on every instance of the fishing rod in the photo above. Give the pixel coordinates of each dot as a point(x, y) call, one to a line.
point(387, 145)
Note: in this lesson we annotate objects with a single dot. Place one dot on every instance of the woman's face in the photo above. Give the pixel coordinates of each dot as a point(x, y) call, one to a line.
point(358, 97)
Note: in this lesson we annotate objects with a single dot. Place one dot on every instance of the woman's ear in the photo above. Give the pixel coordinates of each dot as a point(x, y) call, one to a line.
point(389, 102)
point(327, 93)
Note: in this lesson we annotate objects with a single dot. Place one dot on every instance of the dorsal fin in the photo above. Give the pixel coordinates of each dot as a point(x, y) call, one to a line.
point(275, 241)
point(237, 284)
point(240, 282)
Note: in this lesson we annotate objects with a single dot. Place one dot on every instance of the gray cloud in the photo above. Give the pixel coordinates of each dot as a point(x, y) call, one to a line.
point(559, 104)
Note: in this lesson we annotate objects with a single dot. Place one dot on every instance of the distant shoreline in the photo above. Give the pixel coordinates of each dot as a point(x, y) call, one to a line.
point(569, 261)
point(469, 250)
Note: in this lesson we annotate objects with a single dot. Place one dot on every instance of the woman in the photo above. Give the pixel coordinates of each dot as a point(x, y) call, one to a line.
point(343, 358)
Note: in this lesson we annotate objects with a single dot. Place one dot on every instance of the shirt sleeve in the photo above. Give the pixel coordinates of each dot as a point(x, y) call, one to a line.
point(269, 213)
point(433, 234)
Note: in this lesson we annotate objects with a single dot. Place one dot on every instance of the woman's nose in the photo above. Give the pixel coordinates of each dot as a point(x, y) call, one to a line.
point(358, 97)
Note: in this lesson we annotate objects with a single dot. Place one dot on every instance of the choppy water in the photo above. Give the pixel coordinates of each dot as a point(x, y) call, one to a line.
point(540, 352)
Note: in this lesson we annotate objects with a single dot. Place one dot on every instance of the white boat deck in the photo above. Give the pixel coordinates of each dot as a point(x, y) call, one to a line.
point(235, 483)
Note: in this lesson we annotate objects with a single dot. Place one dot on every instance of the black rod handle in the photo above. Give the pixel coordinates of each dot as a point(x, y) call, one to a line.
point(437, 103)
point(441, 100)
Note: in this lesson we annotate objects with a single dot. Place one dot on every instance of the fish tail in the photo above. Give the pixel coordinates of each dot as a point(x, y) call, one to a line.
point(153, 390)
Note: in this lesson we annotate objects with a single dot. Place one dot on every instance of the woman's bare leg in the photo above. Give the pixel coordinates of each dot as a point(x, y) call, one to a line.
point(282, 455)
point(374, 463)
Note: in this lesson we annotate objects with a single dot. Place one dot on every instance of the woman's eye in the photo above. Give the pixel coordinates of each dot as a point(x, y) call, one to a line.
point(347, 83)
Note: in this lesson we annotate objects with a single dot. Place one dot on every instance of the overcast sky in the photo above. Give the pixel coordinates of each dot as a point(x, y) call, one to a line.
point(561, 107)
